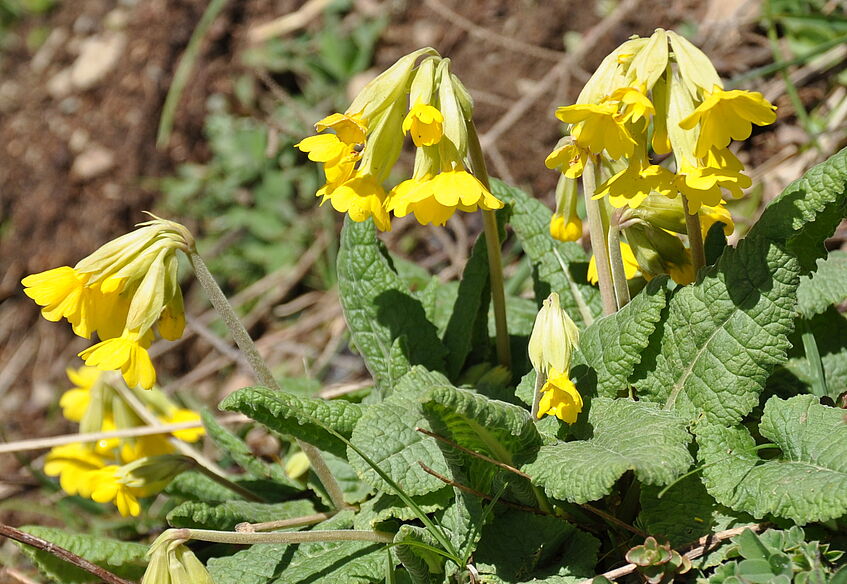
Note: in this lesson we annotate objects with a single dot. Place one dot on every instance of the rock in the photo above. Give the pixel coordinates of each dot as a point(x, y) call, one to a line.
point(92, 162)
point(97, 57)
point(117, 19)
point(44, 56)
point(60, 85)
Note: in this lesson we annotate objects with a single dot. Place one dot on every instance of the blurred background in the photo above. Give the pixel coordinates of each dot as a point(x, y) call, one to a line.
point(190, 109)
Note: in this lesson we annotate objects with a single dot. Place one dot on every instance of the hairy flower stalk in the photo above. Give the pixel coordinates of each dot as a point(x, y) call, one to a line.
point(359, 148)
point(656, 96)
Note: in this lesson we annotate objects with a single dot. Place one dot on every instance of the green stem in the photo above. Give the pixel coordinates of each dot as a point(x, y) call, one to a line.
point(225, 482)
point(536, 396)
point(597, 232)
point(695, 237)
point(234, 537)
point(616, 261)
point(260, 368)
point(813, 356)
point(492, 244)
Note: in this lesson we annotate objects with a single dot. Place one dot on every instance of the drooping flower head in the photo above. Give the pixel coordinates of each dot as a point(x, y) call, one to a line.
point(171, 562)
point(121, 292)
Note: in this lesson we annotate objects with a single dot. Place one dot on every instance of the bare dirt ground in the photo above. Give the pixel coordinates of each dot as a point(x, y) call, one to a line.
point(78, 121)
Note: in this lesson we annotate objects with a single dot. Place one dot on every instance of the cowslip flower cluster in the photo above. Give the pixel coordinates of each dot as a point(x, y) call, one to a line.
point(649, 98)
point(551, 344)
point(121, 292)
point(359, 148)
point(117, 470)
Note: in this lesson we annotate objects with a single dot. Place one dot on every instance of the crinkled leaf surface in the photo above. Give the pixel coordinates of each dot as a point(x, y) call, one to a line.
point(612, 345)
point(126, 559)
point(194, 486)
point(551, 259)
point(384, 507)
point(304, 418)
point(627, 435)
point(546, 548)
point(422, 565)
point(808, 482)
point(225, 516)
point(827, 285)
point(386, 434)
point(388, 324)
point(336, 562)
point(830, 331)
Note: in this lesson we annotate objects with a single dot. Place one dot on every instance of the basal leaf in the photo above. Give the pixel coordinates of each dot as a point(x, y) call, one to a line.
point(830, 331)
point(380, 310)
point(384, 507)
point(194, 486)
point(423, 565)
point(808, 482)
point(826, 286)
point(612, 345)
point(225, 516)
point(627, 435)
point(126, 559)
point(722, 337)
point(297, 416)
point(351, 562)
point(551, 260)
point(547, 547)
point(386, 433)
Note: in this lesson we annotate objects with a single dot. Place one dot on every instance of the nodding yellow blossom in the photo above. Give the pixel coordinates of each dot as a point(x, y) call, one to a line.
point(108, 488)
point(122, 291)
point(126, 353)
point(339, 152)
point(598, 128)
point(633, 184)
point(565, 228)
point(630, 264)
point(717, 214)
point(728, 115)
point(636, 105)
point(74, 402)
point(179, 415)
point(73, 464)
point(703, 183)
point(170, 562)
point(553, 339)
point(560, 398)
point(361, 197)
point(424, 123)
point(435, 199)
point(569, 158)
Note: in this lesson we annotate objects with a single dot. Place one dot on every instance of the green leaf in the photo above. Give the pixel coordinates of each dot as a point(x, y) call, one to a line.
point(422, 563)
point(830, 332)
point(715, 350)
point(126, 559)
point(807, 211)
point(496, 429)
point(384, 507)
point(826, 286)
point(292, 415)
point(808, 482)
point(225, 516)
point(547, 549)
point(612, 345)
point(685, 512)
point(388, 325)
point(241, 453)
point(552, 261)
point(194, 486)
point(354, 489)
point(386, 434)
point(352, 562)
point(468, 325)
point(627, 435)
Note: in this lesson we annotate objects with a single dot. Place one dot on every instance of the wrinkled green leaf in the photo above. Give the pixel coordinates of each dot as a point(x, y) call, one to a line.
point(827, 285)
point(225, 516)
point(423, 565)
point(627, 435)
point(830, 331)
point(808, 482)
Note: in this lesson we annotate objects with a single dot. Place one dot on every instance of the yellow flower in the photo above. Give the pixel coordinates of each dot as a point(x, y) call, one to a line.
point(630, 264)
point(554, 336)
point(170, 562)
point(127, 353)
point(569, 159)
point(145, 447)
point(560, 398)
point(339, 152)
point(711, 215)
point(63, 293)
point(360, 197)
point(565, 229)
point(726, 115)
point(180, 415)
point(107, 487)
point(636, 105)
point(702, 184)
point(434, 200)
point(73, 464)
point(632, 185)
point(350, 128)
point(424, 122)
point(74, 402)
point(598, 127)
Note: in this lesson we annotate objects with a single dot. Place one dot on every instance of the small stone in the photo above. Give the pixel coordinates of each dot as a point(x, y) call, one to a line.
point(92, 162)
point(97, 57)
point(117, 19)
point(79, 140)
point(60, 84)
point(69, 105)
point(84, 25)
